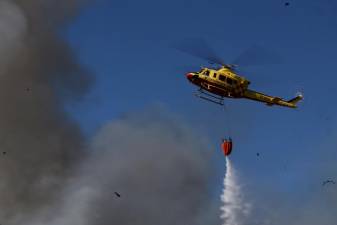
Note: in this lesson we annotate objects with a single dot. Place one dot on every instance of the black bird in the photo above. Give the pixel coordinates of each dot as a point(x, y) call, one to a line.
point(117, 194)
point(328, 181)
point(287, 4)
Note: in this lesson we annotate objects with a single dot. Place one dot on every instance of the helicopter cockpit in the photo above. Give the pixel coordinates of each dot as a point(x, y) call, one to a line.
point(204, 71)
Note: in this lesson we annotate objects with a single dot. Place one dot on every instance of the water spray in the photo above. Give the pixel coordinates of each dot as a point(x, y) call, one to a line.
point(234, 209)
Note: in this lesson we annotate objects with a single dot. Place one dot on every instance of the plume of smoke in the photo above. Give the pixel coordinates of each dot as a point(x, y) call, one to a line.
point(234, 210)
point(156, 164)
point(38, 141)
point(159, 168)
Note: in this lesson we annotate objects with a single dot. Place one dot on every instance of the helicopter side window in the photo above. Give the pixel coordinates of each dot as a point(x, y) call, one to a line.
point(229, 81)
point(222, 77)
point(214, 75)
point(206, 73)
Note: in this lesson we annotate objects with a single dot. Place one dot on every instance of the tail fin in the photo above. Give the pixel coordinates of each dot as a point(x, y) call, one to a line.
point(298, 98)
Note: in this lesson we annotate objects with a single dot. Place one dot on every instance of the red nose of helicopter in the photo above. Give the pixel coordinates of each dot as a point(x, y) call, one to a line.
point(189, 76)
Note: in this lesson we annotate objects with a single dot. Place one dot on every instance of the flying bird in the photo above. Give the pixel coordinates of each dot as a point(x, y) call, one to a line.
point(328, 181)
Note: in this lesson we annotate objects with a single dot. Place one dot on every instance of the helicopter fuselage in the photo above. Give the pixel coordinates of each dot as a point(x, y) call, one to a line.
point(222, 82)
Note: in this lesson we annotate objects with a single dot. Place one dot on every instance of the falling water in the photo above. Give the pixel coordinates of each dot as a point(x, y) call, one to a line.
point(234, 209)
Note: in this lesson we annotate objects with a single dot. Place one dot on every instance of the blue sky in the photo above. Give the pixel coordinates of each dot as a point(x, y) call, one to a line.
point(126, 45)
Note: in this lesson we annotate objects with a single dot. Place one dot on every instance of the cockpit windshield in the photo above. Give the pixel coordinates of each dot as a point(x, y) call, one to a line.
point(204, 71)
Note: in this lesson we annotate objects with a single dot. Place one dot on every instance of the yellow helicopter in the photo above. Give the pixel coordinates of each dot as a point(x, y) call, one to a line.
point(216, 84)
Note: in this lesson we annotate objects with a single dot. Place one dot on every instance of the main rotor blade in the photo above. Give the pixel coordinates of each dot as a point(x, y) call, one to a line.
point(199, 48)
point(257, 55)
point(183, 69)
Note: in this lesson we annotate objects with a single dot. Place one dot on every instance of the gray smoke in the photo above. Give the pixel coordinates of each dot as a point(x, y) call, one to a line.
point(159, 168)
point(39, 143)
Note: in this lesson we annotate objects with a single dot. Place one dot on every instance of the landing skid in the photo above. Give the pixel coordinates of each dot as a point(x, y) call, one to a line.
point(209, 97)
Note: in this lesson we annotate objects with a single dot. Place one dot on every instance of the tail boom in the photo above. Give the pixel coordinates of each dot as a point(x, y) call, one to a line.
point(270, 101)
